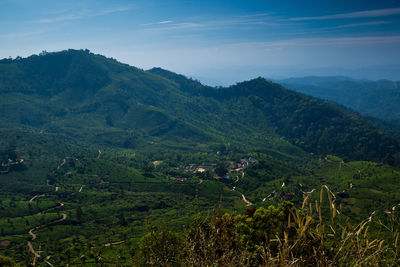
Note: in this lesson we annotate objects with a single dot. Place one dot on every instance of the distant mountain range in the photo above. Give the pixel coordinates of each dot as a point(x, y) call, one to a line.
point(379, 99)
point(98, 100)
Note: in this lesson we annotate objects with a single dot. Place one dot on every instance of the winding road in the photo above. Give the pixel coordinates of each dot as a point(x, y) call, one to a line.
point(248, 203)
point(345, 164)
point(113, 243)
point(62, 164)
point(36, 255)
point(35, 197)
point(64, 216)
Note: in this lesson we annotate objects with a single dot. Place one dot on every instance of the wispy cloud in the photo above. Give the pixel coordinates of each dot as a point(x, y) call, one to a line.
point(112, 10)
point(60, 18)
point(362, 24)
point(179, 26)
point(165, 22)
point(327, 41)
point(20, 35)
point(83, 14)
point(157, 23)
point(255, 15)
point(353, 15)
point(251, 20)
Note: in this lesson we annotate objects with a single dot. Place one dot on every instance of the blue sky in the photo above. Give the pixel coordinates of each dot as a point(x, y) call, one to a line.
point(218, 42)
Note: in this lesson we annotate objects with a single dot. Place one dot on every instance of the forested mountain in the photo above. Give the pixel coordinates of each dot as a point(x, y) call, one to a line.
point(101, 101)
point(379, 99)
point(104, 163)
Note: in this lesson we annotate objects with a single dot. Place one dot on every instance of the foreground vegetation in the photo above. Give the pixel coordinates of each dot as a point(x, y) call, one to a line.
point(108, 209)
point(316, 234)
point(278, 236)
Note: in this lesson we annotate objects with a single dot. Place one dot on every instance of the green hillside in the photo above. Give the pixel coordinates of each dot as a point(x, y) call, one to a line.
point(374, 98)
point(98, 157)
point(101, 101)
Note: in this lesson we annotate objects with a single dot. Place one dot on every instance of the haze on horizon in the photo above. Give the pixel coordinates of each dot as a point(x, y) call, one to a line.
point(217, 42)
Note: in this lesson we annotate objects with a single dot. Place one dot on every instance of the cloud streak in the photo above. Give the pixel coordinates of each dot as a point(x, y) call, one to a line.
point(165, 22)
point(328, 41)
point(362, 24)
point(353, 15)
point(262, 20)
point(252, 20)
point(84, 14)
point(20, 35)
point(60, 18)
point(157, 23)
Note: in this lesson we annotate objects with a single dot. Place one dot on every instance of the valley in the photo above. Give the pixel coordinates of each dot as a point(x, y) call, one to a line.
point(99, 155)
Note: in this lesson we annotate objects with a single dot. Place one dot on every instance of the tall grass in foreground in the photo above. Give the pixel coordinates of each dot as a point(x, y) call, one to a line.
point(317, 234)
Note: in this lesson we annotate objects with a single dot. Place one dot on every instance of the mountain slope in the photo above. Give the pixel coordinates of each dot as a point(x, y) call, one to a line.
point(81, 92)
point(94, 154)
point(314, 125)
point(101, 101)
point(379, 99)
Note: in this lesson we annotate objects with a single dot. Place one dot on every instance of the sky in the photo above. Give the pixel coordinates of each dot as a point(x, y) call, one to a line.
point(219, 42)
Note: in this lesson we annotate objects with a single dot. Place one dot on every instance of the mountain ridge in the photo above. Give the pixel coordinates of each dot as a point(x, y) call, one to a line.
point(128, 151)
point(373, 98)
point(121, 105)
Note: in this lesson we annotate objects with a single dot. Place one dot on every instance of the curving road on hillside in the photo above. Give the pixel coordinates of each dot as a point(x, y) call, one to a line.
point(248, 203)
point(36, 255)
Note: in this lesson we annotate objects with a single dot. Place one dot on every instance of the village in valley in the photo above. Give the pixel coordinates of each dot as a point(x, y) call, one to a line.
point(6, 166)
point(226, 171)
point(9, 160)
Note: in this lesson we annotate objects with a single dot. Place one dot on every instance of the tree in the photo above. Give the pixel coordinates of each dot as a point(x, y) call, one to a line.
point(79, 213)
point(122, 220)
point(6, 261)
point(148, 169)
point(161, 248)
point(221, 170)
